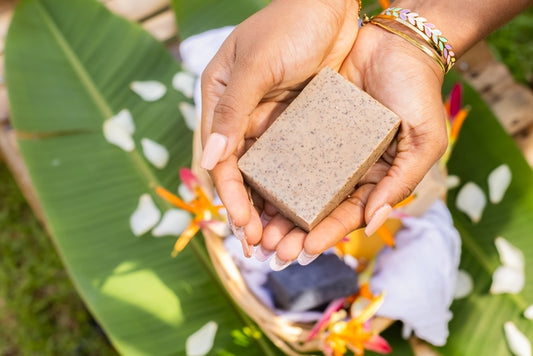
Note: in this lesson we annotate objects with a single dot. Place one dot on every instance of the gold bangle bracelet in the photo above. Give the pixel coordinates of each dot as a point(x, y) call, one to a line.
point(423, 48)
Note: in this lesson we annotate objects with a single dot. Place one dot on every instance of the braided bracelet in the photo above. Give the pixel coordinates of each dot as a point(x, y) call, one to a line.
point(424, 29)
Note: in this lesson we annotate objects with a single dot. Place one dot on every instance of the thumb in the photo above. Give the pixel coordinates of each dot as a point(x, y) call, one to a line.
point(226, 110)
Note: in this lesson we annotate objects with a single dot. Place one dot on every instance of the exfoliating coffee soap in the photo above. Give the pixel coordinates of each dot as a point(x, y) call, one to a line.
point(310, 159)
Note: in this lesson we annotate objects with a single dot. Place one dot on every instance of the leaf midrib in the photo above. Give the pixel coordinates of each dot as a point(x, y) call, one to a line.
point(138, 160)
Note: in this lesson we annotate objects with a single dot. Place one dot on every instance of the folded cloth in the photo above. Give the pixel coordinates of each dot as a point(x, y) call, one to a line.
point(419, 274)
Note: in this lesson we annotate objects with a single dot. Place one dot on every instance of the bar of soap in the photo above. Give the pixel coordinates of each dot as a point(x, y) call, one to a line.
point(310, 159)
point(299, 288)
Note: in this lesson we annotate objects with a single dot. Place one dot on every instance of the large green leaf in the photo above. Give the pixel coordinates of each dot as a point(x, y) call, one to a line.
point(69, 64)
point(201, 15)
point(477, 325)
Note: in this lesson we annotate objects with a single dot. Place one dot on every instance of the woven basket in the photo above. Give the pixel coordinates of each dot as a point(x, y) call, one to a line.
point(289, 336)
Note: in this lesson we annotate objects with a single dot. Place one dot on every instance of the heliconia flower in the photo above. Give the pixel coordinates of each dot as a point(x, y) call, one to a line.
point(201, 342)
point(499, 180)
point(472, 201)
point(517, 341)
point(155, 153)
point(184, 82)
point(149, 90)
point(205, 214)
point(145, 216)
point(354, 333)
point(456, 118)
point(320, 324)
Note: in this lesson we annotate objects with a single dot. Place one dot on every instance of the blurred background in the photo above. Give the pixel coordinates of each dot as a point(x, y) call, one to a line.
point(40, 311)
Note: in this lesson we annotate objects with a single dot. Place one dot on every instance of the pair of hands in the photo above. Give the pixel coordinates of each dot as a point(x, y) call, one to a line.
point(264, 64)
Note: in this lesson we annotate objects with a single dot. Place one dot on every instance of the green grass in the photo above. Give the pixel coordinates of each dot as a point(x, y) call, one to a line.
point(513, 45)
point(40, 312)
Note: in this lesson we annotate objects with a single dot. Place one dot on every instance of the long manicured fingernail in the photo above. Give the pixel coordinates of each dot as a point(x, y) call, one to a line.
point(305, 258)
point(247, 250)
point(277, 265)
point(265, 218)
point(213, 150)
point(378, 219)
point(261, 254)
point(238, 231)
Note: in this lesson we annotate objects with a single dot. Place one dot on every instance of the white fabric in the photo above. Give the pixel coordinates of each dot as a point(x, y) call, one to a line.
point(419, 275)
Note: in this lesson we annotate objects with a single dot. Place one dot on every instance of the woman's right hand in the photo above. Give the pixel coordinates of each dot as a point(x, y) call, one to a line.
point(259, 69)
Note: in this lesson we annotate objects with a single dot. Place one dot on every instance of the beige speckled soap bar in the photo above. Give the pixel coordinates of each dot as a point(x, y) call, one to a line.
point(310, 159)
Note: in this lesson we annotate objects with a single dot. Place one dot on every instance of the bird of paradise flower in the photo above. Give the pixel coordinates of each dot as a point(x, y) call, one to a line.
point(205, 213)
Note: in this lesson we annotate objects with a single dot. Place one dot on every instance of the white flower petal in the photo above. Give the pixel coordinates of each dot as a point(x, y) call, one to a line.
point(173, 223)
point(184, 82)
point(189, 114)
point(149, 90)
point(507, 280)
point(201, 342)
point(155, 153)
point(528, 313)
point(499, 180)
point(145, 216)
point(452, 181)
point(116, 134)
point(510, 255)
point(124, 119)
point(472, 201)
point(463, 285)
point(517, 341)
point(185, 194)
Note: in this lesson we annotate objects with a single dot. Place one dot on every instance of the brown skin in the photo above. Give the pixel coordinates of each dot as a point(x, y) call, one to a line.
point(267, 60)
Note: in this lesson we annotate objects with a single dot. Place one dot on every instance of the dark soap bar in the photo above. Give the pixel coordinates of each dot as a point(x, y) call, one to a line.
point(299, 288)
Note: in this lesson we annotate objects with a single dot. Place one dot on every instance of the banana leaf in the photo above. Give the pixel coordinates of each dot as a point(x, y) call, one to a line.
point(477, 324)
point(198, 16)
point(69, 64)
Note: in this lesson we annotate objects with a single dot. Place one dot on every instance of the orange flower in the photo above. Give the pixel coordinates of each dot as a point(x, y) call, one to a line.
point(206, 215)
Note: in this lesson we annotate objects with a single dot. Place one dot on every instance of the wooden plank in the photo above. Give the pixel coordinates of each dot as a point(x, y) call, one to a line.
point(137, 9)
point(4, 107)
point(5, 19)
point(162, 26)
point(524, 139)
point(511, 102)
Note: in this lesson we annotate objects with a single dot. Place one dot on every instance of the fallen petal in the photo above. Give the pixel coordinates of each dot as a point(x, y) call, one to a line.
point(173, 223)
point(499, 180)
point(201, 342)
point(155, 153)
point(510, 255)
point(517, 341)
point(507, 280)
point(145, 216)
point(189, 114)
point(528, 313)
point(472, 201)
point(149, 90)
point(463, 285)
point(118, 130)
point(452, 181)
point(185, 193)
point(184, 82)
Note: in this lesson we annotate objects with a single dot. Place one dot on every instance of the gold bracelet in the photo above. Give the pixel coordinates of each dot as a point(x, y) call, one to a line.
point(425, 30)
point(414, 42)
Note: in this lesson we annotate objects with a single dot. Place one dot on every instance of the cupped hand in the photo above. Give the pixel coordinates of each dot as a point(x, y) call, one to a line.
point(408, 82)
point(259, 69)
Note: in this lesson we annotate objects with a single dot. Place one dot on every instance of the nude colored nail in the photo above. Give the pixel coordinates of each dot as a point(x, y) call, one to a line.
point(262, 254)
point(213, 150)
point(305, 258)
point(265, 218)
point(277, 265)
point(238, 231)
point(247, 250)
point(378, 219)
